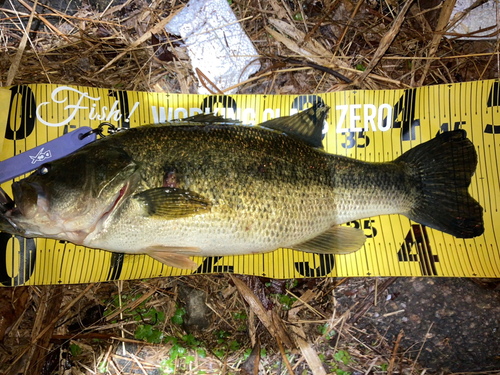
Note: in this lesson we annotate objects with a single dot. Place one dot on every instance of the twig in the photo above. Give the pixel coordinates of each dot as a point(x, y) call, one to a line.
point(155, 29)
point(371, 365)
point(334, 287)
point(318, 67)
point(339, 333)
point(105, 359)
point(349, 21)
point(220, 316)
point(63, 312)
point(42, 18)
point(369, 300)
point(51, 325)
point(420, 351)
point(86, 367)
point(327, 14)
point(131, 305)
point(390, 368)
point(307, 305)
point(461, 15)
point(255, 304)
point(262, 76)
point(132, 341)
point(138, 363)
point(283, 355)
point(17, 59)
point(386, 42)
point(339, 41)
point(393, 313)
point(444, 18)
point(202, 77)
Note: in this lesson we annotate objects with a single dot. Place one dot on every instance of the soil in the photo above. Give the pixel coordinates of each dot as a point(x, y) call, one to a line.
point(450, 324)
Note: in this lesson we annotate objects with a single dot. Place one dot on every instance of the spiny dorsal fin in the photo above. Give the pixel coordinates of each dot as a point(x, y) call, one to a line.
point(205, 119)
point(306, 125)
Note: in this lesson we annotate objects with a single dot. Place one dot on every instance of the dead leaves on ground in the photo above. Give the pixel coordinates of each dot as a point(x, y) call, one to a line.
point(248, 324)
point(375, 45)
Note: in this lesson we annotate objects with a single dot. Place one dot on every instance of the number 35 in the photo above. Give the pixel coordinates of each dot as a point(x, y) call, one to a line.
point(367, 224)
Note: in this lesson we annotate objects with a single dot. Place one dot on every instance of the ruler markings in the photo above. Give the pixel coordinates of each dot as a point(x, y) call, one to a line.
point(449, 105)
point(486, 93)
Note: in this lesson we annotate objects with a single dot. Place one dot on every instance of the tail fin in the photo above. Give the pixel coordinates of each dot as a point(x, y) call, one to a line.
point(441, 170)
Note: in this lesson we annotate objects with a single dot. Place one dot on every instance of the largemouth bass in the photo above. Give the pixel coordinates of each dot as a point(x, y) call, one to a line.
point(206, 186)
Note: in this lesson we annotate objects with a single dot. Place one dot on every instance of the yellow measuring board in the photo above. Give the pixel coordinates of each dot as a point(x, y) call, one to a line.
point(365, 125)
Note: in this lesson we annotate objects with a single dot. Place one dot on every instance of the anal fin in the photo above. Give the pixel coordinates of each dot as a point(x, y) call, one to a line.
point(336, 240)
point(174, 256)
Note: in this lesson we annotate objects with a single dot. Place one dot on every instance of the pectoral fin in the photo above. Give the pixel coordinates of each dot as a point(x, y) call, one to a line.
point(171, 203)
point(170, 256)
point(337, 240)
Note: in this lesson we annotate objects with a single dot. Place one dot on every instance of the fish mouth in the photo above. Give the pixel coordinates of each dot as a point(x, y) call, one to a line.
point(29, 213)
point(7, 215)
point(6, 202)
point(26, 198)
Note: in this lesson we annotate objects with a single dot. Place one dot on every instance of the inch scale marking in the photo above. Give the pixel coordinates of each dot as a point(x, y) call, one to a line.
point(366, 125)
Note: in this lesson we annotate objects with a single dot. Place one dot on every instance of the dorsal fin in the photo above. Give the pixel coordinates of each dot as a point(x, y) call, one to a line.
point(205, 119)
point(306, 125)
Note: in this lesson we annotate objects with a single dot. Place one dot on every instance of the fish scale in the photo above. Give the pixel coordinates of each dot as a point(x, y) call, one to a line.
point(250, 207)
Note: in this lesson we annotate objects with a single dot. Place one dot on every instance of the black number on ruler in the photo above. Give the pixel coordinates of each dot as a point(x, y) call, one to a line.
point(326, 265)
point(418, 250)
point(122, 98)
point(406, 108)
point(493, 101)
point(211, 101)
point(304, 101)
point(26, 107)
point(27, 260)
point(115, 270)
point(353, 139)
point(67, 127)
point(367, 224)
point(209, 265)
point(350, 142)
point(446, 127)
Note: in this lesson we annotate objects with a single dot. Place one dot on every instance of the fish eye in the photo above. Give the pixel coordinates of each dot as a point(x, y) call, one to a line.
point(44, 169)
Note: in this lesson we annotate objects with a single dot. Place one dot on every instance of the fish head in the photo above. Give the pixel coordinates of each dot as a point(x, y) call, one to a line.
point(68, 198)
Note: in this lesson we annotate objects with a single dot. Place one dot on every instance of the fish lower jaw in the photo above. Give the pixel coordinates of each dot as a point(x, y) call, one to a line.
point(76, 237)
point(54, 228)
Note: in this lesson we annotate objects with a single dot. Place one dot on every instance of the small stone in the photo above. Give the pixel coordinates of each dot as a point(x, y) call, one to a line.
point(198, 315)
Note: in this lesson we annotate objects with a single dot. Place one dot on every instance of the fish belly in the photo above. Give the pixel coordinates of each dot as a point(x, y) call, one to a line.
point(223, 231)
